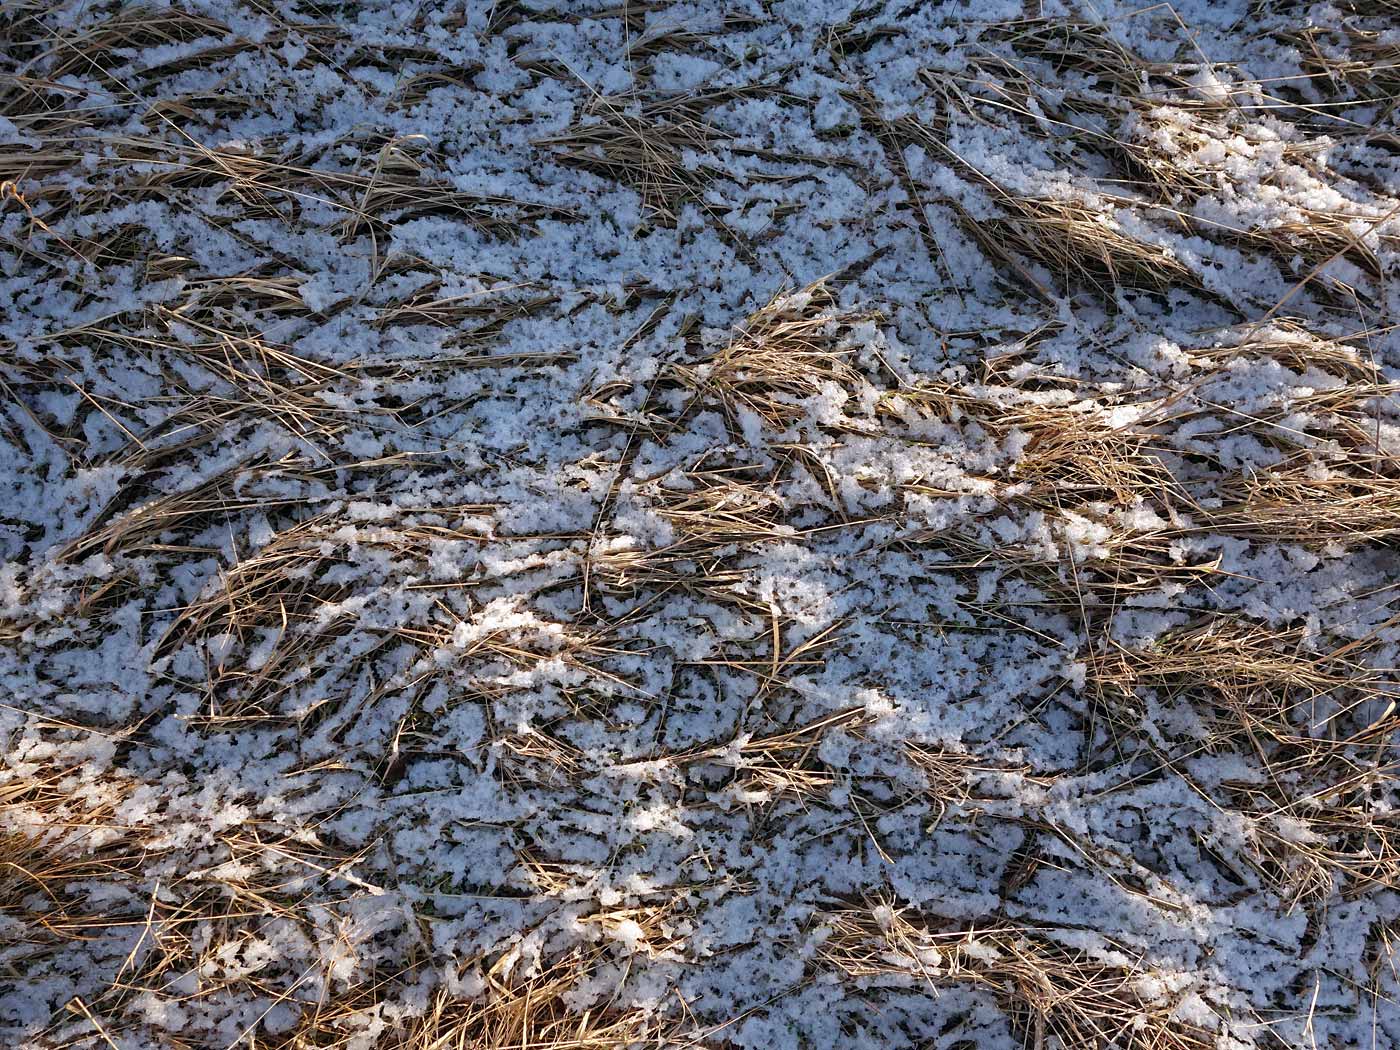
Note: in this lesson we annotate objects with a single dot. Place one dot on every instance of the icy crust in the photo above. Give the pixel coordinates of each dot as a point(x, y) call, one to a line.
point(796, 525)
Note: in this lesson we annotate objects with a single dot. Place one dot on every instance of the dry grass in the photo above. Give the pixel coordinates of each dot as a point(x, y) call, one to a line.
point(1363, 59)
point(1082, 471)
point(1091, 49)
point(149, 527)
point(1260, 687)
point(792, 349)
point(469, 316)
point(518, 1008)
point(1289, 342)
point(1153, 153)
point(716, 512)
point(783, 353)
point(262, 628)
point(1317, 237)
point(1335, 481)
point(1086, 580)
point(1077, 239)
point(254, 379)
point(1296, 503)
point(535, 757)
point(1073, 454)
point(134, 28)
point(1153, 138)
point(58, 838)
point(652, 144)
point(718, 506)
point(1318, 724)
point(1049, 991)
point(782, 765)
point(785, 764)
point(393, 184)
point(525, 1013)
point(271, 599)
point(1334, 838)
point(72, 872)
point(257, 645)
point(1079, 244)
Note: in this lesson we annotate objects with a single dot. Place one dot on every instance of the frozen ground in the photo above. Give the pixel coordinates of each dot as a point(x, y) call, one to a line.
point(783, 525)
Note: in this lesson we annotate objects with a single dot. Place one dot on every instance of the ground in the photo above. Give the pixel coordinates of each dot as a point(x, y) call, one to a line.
point(763, 524)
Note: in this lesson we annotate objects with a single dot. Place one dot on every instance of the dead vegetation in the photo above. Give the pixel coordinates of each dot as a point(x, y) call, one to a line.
point(715, 512)
point(72, 871)
point(1080, 245)
point(795, 348)
point(782, 354)
point(1259, 685)
point(1334, 481)
point(525, 1012)
point(1169, 137)
point(1361, 58)
point(58, 838)
point(91, 50)
point(1302, 504)
point(1319, 723)
point(393, 184)
point(1126, 477)
point(654, 144)
point(518, 1007)
point(1078, 239)
point(148, 527)
point(1153, 144)
point(1049, 990)
point(1073, 453)
point(1114, 512)
point(1092, 49)
point(268, 602)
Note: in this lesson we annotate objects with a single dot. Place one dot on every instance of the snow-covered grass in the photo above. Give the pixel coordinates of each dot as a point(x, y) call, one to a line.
point(661, 524)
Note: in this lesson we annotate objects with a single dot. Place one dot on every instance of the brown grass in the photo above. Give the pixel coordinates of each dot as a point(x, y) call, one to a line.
point(1315, 715)
point(70, 871)
point(783, 353)
point(1260, 687)
point(1049, 991)
point(1359, 59)
point(1296, 504)
point(647, 143)
point(1090, 48)
point(518, 1008)
point(58, 837)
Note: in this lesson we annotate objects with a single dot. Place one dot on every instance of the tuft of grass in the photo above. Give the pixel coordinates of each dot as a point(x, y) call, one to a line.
point(1049, 990)
point(148, 527)
point(787, 351)
point(1335, 481)
point(1358, 59)
point(58, 839)
point(138, 27)
point(652, 144)
point(1088, 48)
point(1301, 504)
point(1259, 687)
point(1077, 240)
point(783, 765)
point(521, 1010)
point(1073, 453)
point(268, 601)
point(1079, 244)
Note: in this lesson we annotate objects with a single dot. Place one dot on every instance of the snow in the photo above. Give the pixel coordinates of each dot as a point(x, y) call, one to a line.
point(498, 700)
